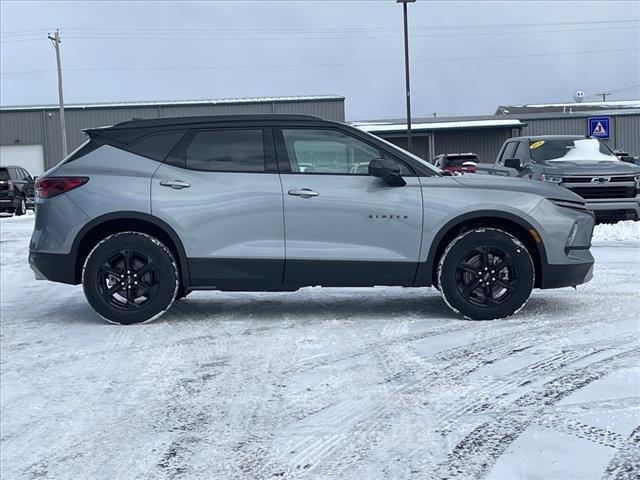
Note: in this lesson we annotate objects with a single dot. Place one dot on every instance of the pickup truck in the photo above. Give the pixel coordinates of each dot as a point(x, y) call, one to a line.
point(586, 166)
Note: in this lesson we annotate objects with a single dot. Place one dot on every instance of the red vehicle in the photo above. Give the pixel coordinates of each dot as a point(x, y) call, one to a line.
point(457, 162)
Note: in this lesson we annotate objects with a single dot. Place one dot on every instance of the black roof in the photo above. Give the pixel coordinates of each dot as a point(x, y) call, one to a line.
point(205, 120)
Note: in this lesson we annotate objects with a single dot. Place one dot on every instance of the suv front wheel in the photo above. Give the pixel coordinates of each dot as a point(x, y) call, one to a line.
point(486, 274)
point(130, 277)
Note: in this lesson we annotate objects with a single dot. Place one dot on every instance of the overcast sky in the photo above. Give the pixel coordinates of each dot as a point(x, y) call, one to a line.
point(466, 57)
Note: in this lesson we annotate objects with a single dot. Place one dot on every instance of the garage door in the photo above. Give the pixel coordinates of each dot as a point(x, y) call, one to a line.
point(29, 157)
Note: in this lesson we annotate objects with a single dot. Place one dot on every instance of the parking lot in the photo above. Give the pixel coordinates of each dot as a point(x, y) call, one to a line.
point(322, 383)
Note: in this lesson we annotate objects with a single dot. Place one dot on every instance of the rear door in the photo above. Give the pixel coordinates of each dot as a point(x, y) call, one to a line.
point(220, 191)
point(342, 226)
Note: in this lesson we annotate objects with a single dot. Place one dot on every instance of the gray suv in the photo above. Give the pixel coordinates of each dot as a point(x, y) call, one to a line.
point(149, 210)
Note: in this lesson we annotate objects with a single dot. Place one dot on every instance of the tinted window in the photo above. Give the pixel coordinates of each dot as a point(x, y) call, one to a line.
point(4, 175)
point(519, 153)
point(329, 151)
point(226, 151)
point(508, 151)
point(156, 145)
point(13, 173)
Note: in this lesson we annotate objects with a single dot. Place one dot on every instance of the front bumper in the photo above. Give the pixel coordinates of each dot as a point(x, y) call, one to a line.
point(621, 209)
point(568, 275)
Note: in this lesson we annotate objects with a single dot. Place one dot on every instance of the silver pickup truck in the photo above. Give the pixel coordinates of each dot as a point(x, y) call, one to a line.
point(586, 166)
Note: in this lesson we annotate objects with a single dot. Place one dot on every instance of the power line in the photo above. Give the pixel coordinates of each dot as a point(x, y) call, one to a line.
point(338, 64)
point(365, 37)
point(306, 31)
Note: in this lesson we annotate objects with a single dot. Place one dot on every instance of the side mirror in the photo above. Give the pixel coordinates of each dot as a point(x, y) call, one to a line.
point(387, 170)
point(513, 163)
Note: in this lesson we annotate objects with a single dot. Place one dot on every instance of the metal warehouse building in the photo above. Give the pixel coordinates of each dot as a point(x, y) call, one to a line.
point(484, 135)
point(30, 135)
point(432, 136)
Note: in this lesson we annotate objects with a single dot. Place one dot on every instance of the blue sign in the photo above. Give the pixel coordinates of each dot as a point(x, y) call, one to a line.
point(599, 127)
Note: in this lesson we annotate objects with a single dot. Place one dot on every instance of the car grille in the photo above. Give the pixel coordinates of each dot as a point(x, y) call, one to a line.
point(627, 178)
point(613, 216)
point(604, 192)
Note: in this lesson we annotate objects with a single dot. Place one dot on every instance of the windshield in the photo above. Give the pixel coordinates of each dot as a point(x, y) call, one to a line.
point(568, 149)
point(433, 168)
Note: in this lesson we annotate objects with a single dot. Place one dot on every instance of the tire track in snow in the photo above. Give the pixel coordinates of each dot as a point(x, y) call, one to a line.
point(477, 452)
point(625, 464)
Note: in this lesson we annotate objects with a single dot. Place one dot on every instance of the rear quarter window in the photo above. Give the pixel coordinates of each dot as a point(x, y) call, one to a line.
point(157, 145)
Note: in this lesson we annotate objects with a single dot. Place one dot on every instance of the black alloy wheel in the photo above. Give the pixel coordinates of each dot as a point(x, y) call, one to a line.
point(486, 274)
point(130, 277)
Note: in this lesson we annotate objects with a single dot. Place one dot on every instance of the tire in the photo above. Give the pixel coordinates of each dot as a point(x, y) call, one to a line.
point(130, 277)
point(21, 209)
point(182, 293)
point(472, 287)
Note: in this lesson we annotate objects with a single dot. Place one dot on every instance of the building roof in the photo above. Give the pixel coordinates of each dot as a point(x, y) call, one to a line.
point(443, 123)
point(173, 103)
point(568, 108)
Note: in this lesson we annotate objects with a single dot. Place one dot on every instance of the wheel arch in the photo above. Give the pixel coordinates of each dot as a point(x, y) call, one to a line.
point(108, 224)
point(510, 223)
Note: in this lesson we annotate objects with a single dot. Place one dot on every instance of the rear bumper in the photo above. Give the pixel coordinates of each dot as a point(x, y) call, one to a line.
point(57, 267)
point(7, 203)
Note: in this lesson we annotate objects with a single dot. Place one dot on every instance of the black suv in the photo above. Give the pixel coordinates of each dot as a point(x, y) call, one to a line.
point(16, 190)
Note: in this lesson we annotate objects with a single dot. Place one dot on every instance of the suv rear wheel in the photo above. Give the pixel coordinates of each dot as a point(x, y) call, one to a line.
point(130, 277)
point(486, 274)
point(21, 209)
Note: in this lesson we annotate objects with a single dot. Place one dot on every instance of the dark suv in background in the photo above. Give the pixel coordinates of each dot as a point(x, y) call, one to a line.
point(16, 190)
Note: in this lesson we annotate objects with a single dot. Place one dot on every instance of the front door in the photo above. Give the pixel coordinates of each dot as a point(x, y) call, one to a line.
point(342, 226)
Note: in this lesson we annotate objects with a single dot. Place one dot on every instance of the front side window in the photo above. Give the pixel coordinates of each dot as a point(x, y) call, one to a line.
point(329, 152)
point(519, 153)
point(226, 151)
point(508, 151)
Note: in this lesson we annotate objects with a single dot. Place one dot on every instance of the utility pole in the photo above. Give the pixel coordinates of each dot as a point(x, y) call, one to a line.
point(406, 69)
point(604, 95)
point(63, 130)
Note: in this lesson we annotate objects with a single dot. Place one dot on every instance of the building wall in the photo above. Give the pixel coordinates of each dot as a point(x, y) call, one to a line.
point(484, 142)
point(420, 143)
point(42, 127)
point(624, 135)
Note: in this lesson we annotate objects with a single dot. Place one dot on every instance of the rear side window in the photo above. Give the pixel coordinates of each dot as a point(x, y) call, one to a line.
point(226, 151)
point(4, 175)
point(157, 145)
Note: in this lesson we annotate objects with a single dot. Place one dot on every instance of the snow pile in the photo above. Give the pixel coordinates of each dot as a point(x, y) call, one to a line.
point(617, 232)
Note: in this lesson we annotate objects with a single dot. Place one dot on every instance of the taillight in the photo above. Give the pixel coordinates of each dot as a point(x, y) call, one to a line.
point(52, 186)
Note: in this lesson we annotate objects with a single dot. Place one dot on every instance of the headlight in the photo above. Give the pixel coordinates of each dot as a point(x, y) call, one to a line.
point(572, 235)
point(637, 179)
point(581, 206)
point(550, 178)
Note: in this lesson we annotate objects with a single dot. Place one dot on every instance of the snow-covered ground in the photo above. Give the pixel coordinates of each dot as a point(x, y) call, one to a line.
point(322, 383)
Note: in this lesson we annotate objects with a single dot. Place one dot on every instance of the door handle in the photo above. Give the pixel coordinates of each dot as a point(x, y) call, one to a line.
point(175, 184)
point(303, 192)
